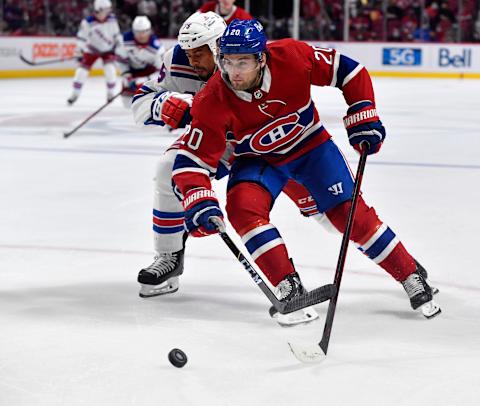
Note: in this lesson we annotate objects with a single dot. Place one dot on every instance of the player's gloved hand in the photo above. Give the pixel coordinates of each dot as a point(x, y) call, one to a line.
point(173, 109)
point(362, 124)
point(129, 85)
point(78, 54)
point(200, 205)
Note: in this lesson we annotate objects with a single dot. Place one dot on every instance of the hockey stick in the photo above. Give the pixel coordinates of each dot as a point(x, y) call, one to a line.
point(69, 133)
point(33, 63)
point(318, 295)
point(312, 353)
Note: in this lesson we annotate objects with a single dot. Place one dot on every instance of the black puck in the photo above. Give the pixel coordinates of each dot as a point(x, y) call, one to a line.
point(177, 358)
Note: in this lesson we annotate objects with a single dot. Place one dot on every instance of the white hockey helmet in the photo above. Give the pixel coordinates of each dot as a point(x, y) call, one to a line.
point(102, 5)
point(201, 29)
point(141, 23)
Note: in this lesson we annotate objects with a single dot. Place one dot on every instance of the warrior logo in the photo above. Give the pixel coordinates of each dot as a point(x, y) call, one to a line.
point(336, 189)
point(276, 134)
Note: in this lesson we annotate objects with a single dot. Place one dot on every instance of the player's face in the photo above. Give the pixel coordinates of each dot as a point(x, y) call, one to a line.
point(142, 36)
point(201, 60)
point(102, 14)
point(226, 4)
point(243, 70)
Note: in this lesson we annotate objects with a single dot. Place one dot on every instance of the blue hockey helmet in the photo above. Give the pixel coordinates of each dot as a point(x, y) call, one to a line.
point(243, 37)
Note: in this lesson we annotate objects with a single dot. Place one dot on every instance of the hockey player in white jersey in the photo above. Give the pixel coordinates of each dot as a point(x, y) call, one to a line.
point(98, 37)
point(140, 58)
point(166, 101)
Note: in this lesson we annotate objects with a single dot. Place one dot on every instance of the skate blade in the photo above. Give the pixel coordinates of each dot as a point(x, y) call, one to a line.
point(292, 319)
point(307, 353)
point(151, 293)
point(165, 288)
point(431, 310)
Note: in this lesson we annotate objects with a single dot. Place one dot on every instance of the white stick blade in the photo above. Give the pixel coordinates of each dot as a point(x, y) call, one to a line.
point(308, 353)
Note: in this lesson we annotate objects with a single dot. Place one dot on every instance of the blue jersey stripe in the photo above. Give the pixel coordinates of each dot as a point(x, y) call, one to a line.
point(168, 215)
point(168, 230)
point(345, 67)
point(182, 162)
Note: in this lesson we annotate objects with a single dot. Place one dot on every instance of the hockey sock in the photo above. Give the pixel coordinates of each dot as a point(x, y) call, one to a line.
point(79, 79)
point(374, 239)
point(248, 208)
point(110, 76)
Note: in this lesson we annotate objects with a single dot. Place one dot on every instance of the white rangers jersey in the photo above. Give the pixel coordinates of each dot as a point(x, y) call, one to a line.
point(135, 57)
point(98, 37)
point(176, 75)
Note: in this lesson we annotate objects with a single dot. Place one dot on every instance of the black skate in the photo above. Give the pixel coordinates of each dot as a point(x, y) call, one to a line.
point(286, 290)
point(72, 99)
point(422, 271)
point(420, 294)
point(161, 277)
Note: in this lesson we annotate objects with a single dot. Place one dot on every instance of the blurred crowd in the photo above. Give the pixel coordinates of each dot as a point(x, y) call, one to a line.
point(370, 20)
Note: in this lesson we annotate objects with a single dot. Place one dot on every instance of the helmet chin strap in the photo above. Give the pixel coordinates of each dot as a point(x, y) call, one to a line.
point(258, 81)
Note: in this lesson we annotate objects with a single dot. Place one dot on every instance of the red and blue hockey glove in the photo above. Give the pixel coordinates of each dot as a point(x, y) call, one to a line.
point(362, 124)
point(173, 109)
point(200, 205)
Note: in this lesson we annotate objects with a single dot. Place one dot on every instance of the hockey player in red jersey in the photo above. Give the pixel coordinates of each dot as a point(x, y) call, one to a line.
point(260, 106)
point(166, 101)
point(227, 9)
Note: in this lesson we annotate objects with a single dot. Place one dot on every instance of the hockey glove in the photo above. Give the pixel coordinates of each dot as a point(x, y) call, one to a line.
point(78, 54)
point(362, 124)
point(129, 85)
point(200, 205)
point(173, 109)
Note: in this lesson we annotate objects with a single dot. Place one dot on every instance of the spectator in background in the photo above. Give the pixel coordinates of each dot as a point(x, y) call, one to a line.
point(14, 17)
point(476, 31)
point(227, 9)
point(147, 8)
point(409, 24)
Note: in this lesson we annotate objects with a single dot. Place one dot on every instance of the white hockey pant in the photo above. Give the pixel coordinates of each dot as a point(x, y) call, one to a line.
point(167, 210)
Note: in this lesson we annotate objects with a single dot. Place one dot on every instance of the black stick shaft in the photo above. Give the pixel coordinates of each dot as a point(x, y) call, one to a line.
point(48, 62)
point(248, 267)
point(69, 133)
point(318, 295)
point(343, 253)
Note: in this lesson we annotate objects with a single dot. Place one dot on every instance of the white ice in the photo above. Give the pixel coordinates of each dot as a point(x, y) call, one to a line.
point(75, 219)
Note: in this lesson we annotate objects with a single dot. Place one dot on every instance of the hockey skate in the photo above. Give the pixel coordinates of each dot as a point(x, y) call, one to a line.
point(161, 277)
point(422, 271)
point(287, 289)
point(420, 294)
point(72, 99)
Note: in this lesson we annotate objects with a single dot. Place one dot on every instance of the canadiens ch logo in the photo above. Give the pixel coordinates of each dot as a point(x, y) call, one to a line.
point(276, 134)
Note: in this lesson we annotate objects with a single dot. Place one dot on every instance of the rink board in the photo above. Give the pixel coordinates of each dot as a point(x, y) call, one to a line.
point(393, 59)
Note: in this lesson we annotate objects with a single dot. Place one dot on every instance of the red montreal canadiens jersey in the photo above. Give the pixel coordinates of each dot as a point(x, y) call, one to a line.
point(237, 12)
point(278, 121)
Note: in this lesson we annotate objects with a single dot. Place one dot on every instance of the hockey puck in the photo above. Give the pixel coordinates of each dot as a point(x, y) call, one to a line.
point(177, 358)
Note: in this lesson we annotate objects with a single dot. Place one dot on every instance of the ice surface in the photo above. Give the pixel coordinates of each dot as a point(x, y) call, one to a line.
point(75, 229)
